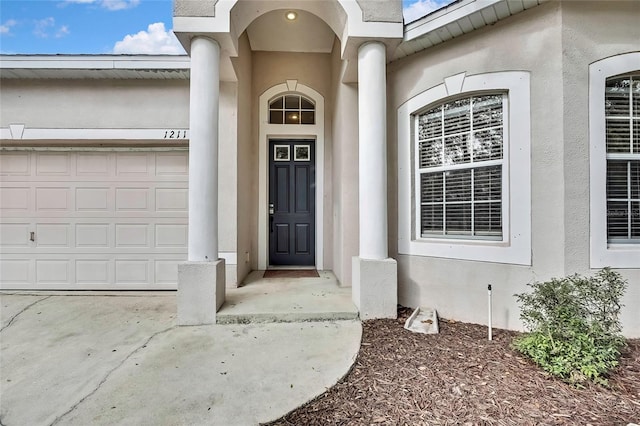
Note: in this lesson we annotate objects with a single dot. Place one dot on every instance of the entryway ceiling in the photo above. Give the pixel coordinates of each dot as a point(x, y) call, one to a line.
point(307, 33)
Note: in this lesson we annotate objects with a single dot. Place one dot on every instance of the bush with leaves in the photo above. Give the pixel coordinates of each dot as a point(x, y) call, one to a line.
point(574, 327)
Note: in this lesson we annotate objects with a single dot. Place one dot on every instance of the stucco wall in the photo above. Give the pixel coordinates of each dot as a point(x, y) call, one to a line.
point(312, 70)
point(95, 103)
point(381, 10)
point(228, 175)
point(457, 288)
point(345, 170)
point(591, 31)
point(554, 43)
point(194, 7)
point(247, 165)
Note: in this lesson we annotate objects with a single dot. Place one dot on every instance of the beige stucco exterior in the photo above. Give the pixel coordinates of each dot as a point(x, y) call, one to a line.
point(553, 43)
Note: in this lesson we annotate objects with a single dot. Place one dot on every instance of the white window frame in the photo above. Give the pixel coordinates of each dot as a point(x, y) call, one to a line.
point(603, 253)
point(465, 166)
point(515, 245)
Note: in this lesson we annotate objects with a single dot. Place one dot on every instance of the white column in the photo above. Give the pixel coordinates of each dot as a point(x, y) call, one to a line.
point(201, 280)
point(203, 150)
point(374, 275)
point(372, 118)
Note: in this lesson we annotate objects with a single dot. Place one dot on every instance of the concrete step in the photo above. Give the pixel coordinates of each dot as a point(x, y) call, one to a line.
point(273, 300)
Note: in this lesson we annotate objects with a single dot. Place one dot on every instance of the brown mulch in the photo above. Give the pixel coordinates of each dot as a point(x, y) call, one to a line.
point(459, 377)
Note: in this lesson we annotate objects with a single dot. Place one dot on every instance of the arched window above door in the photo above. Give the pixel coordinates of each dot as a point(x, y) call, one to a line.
point(292, 109)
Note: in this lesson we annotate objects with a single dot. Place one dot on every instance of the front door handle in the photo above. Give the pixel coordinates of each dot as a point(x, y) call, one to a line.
point(271, 222)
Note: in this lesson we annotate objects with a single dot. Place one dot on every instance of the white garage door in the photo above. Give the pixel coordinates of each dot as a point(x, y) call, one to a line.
point(92, 220)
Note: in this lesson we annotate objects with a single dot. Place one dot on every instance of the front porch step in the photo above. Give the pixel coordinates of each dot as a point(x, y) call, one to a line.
point(259, 318)
point(265, 300)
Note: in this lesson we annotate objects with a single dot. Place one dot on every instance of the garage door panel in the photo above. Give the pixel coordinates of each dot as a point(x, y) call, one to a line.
point(49, 164)
point(52, 199)
point(172, 199)
point(15, 164)
point(15, 271)
point(132, 165)
point(93, 271)
point(101, 220)
point(14, 200)
point(92, 199)
point(14, 234)
point(132, 199)
point(172, 164)
point(95, 165)
point(53, 272)
point(171, 235)
point(166, 271)
point(132, 271)
point(92, 235)
point(53, 235)
point(132, 235)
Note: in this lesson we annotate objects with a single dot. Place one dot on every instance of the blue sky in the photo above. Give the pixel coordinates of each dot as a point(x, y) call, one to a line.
point(107, 26)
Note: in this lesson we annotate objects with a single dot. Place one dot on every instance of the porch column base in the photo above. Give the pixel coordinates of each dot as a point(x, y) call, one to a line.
point(375, 287)
point(201, 291)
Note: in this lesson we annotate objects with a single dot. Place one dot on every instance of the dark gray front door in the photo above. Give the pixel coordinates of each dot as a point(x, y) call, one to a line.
point(292, 202)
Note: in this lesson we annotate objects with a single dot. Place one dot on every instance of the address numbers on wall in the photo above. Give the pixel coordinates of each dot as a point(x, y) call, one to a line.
point(175, 134)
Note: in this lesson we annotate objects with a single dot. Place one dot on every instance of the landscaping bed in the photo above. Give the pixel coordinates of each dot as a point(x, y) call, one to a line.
point(459, 377)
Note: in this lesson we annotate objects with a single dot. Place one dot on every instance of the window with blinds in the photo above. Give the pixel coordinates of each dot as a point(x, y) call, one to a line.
point(459, 163)
point(622, 115)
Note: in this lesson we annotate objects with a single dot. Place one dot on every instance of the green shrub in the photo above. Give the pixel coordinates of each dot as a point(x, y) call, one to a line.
point(574, 330)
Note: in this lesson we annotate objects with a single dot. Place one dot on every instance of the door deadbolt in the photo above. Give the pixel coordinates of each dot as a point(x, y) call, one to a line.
point(271, 209)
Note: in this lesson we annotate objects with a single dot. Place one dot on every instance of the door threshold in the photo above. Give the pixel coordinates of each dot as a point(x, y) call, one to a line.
point(290, 268)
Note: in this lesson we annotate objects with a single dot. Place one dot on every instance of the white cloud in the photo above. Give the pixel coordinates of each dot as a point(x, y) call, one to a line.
point(421, 8)
point(119, 4)
point(6, 27)
point(107, 4)
point(155, 41)
point(42, 27)
point(45, 28)
point(62, 31)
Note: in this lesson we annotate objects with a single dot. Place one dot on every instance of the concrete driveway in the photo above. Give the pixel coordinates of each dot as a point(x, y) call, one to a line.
point(120, 359)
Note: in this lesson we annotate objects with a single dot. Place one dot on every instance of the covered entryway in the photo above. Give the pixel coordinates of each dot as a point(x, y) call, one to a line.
point(94, 219)
point(292, 202)
point(311, 53)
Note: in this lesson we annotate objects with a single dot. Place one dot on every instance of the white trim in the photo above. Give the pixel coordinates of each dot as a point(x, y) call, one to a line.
point(357, 27)
point(516, 245)
point(431, 23)
point(289, 131)
point(230, 257)
point(603, 254)
point(95, 134)
point(95, 62)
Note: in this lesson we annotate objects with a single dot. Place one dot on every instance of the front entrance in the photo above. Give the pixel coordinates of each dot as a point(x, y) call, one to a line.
point(292, 202)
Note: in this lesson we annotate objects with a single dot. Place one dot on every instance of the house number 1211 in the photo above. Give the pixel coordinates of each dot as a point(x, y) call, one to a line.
point(175, 134)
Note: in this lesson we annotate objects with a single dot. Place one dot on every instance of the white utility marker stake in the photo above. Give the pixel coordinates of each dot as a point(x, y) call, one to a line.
point(490, 331)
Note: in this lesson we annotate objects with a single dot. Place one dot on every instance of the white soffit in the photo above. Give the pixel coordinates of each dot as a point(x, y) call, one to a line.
point(456, 19)
point(125, 67)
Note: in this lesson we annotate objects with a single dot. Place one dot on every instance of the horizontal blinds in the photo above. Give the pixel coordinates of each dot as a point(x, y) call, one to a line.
point(622, 115)
point(460, 151)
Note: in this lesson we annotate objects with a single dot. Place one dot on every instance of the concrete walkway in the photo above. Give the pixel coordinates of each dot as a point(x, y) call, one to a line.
point(120, 359)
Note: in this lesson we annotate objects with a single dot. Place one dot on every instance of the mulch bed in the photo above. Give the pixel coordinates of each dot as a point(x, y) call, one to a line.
point(458, 377)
